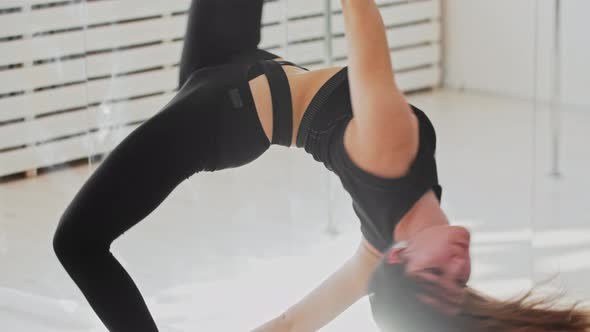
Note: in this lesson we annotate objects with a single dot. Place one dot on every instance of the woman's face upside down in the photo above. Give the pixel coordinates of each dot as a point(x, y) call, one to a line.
point(439, 257)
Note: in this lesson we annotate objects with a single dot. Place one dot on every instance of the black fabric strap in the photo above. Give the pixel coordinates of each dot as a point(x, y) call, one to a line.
point(282, 105)
point(282, 62)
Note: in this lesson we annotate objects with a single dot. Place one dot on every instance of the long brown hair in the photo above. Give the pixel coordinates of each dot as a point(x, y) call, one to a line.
point(395, 308)
point(524, 313)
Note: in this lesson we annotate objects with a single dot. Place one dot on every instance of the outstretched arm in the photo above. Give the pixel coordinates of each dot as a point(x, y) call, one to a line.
point(342, 289)
point(383, 120)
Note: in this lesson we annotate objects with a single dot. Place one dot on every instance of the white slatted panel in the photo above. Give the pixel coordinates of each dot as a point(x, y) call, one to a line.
point(51, 113)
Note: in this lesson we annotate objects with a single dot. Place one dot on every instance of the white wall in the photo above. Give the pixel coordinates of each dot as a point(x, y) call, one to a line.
point(490, 46)
point(576, 48)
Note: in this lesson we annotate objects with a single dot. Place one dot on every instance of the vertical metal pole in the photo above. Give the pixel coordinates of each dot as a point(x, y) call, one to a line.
point(27, 10)
point(92, 117)
point(328, 60)
point(533, 188)
point(556, 102)
point(285, 23)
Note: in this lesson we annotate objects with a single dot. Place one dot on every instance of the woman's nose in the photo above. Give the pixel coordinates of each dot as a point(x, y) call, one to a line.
point(459, 269)
point(463, 235)
point(456, 266)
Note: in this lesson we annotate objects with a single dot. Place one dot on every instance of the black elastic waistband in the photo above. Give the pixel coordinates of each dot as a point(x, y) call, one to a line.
point(317, 103)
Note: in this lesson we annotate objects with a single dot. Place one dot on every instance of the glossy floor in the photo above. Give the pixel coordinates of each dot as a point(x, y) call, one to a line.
point(229, 250)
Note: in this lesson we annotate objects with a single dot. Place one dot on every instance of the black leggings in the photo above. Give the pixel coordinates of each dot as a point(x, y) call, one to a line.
point(211, 124)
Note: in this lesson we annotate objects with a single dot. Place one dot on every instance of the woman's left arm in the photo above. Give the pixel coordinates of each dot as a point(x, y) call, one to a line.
point(342, 289)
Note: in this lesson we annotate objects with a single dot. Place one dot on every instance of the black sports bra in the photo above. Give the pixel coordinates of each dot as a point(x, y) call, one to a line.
point(380, 203)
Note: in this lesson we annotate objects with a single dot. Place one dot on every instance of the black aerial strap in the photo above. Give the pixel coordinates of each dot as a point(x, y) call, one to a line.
point(282, 105)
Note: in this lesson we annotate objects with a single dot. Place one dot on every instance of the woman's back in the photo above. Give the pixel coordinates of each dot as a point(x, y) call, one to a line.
point(303, 84)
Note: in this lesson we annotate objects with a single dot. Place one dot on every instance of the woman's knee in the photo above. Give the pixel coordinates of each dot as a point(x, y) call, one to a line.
point(64, 247)
point(73, 244)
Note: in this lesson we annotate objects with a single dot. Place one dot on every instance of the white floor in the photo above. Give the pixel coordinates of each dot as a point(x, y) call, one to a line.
point(228, 250)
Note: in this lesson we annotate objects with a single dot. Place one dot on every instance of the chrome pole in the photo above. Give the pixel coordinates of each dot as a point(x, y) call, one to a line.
point(285, 23)
point(328, 33)
point(328, 61)
point(556, 100)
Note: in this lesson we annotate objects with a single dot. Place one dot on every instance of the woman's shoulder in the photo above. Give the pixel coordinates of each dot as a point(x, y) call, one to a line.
point(382, 159)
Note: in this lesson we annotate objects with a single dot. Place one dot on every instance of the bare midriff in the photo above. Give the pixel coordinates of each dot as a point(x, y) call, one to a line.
point(303, 84)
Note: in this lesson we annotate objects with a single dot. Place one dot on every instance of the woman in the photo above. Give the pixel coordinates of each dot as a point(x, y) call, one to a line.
point(234, 101)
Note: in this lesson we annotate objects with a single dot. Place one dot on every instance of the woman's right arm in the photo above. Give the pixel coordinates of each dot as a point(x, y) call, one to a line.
point(338, 292)
point(384, 130)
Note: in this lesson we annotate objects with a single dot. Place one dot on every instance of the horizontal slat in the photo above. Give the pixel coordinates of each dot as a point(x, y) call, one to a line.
point(411, 80)
point(14, 24)
point(24, 3)
point(306, 29)
point(47, 128)
point(78, 15)
point(45, 47)
point(314, 27)
point(134, 59)
point(271, 36)
point(96, 65)
point(415, 34)
point(102, 38)
point(398, 37)
point(11, 4)
point(134, 85)
point(84, 94)
point(308, 52)
point(426, 56)
point(298, 8)
point(419, 79)
point(117, 10)
point(273, 11)
point(137, 33)
point(337, 4)
point(61, 151)
point(415, 57)
point(75, 70)
point(39, 76)
point(32, 104)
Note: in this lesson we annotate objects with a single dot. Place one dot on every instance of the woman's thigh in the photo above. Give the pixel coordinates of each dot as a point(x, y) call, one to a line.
point(196, 131)
point(218, 30)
